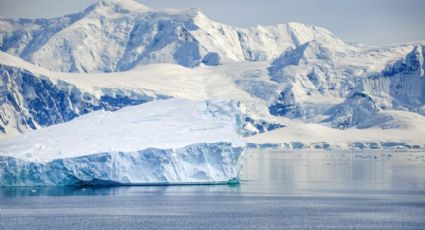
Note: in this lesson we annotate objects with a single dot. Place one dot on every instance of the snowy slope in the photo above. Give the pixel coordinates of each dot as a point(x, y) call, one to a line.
point(401, 84)
point(76, 94)
point(299, 135)
point(118, 35)
point(168, 141)
point(30, 100)
point(315, 78)
point(349, 104)
point(292, 70)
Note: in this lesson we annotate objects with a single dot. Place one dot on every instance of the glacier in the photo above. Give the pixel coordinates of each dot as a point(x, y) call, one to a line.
point(33, 97)
point(29, 100)
point(173, 141)
point(401, 84)
point(298, 86)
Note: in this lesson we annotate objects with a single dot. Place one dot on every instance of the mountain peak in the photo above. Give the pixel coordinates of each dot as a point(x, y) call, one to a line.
point(302, 33)
point(315, 49)
point(416, 58)
point(116, 35)
point(412, 63)
point(308, 52)
point(119, 6)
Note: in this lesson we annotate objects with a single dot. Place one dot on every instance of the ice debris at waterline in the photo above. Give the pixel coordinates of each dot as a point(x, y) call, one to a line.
point(174, 141)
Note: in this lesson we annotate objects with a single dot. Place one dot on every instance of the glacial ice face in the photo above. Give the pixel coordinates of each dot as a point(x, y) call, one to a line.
point(318, 82)
point(401, 85)
point(197, 163)
point(412, 63)
point(165, 141)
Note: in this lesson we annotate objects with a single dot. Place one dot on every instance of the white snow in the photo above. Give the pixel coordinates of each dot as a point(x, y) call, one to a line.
point(201, 83)
point(168, 141)
point(326, 93)
point(249, 83)
point(163, 124)
point(410, 130)
point(313, 71)
point(117, 35)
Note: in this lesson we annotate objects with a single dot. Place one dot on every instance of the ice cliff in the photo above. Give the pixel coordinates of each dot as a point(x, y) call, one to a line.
point(163, 142)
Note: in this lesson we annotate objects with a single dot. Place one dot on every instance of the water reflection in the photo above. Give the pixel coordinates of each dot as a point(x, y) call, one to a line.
point(276, 173)
point(115, 190)
point(279, 190)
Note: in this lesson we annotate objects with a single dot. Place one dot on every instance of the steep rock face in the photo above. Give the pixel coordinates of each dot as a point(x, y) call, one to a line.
point(412, 63)
point(29, 101)
point(118, 35)
point(359, 110)
point(310, 80)
point(285, 105)
point(33, 97)
point(252, 127)
point(401, 85)
point(317, 82)
point(306, 53)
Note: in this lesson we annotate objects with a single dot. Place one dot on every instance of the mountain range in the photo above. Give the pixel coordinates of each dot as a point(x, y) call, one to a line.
point(297, 85)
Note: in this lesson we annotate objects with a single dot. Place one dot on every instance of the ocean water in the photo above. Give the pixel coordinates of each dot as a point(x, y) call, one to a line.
point(279, 190)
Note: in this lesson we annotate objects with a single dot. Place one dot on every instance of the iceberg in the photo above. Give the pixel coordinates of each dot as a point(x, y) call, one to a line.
point(174, 141)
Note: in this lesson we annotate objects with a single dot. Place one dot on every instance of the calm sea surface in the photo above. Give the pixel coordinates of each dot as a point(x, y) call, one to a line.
point(279, 190)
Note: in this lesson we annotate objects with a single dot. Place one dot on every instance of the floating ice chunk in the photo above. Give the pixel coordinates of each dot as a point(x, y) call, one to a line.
point(198, 163)
point(170, 141)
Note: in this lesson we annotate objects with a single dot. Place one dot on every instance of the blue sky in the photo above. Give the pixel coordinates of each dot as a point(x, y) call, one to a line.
point(367, 21)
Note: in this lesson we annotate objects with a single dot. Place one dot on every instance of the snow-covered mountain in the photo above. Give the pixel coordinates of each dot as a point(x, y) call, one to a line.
point(33, 97)
point(315, 77)
point(29, 100)
point(401, 85)
point(285, 77)
point(119, 35)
